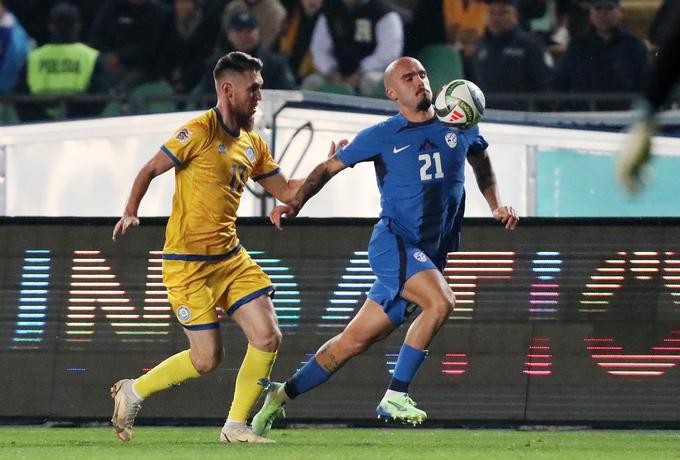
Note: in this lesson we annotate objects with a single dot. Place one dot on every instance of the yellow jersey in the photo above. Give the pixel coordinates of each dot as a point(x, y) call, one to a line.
point(212, 165)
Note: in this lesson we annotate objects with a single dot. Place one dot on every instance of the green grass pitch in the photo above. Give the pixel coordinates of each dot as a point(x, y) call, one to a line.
point(42, 443)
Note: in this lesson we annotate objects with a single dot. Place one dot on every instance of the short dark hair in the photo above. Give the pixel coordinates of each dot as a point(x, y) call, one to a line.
point(236, 61)
point(64, 23)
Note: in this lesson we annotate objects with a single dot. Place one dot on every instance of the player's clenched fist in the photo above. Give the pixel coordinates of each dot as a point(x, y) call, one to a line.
point(123, 224)
point(507, 215)
point(282, 210)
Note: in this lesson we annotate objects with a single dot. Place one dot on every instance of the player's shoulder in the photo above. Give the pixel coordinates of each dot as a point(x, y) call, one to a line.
point(254, 138)
point(253, 135)
point(386, 127)
point(199, 124)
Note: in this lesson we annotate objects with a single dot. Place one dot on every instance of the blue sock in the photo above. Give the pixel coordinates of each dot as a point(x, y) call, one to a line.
point(310, 376)
point(408, 363)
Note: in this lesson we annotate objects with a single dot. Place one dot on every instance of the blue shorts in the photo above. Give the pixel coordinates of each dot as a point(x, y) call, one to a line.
point(393, 261)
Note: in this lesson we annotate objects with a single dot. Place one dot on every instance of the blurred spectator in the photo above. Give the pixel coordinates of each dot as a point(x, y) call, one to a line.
point(546, 19)
point(191, 42)
point(14, 46)
point(242, 33)
point(510, 60)
point(130, 35)
point(446, 21)
point(34, 16)
point(294, 43)
point(604, 59)
point(353, 42)
point(63, 66)
point(665, 22)
point(270, 14)
point(214, 7)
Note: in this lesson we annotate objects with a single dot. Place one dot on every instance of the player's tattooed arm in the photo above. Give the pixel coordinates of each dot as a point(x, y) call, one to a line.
point(486, 180)
point(311, 186)
point(316, 181)
point(481, 165)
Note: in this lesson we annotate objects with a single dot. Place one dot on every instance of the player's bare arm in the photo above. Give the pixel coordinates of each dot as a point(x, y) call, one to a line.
point(310, 186)
point(486, 181)
point(281, 188)
point(159, 164)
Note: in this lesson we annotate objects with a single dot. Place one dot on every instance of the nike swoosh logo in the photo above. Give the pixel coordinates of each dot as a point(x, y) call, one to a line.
point(399, 407)
point(397, 150)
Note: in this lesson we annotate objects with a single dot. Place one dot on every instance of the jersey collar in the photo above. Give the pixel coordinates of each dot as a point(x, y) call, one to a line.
point(231, 132)
point(415, 124)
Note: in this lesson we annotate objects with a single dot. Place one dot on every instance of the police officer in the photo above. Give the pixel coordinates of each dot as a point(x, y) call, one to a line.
point(509, 60)
point(63, 66)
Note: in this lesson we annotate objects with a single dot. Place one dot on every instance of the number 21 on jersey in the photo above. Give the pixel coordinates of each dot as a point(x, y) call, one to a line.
point(431, 168)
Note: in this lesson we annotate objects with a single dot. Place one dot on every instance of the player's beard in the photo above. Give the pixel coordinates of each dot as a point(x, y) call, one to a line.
point(425, 103)
point(245, 120)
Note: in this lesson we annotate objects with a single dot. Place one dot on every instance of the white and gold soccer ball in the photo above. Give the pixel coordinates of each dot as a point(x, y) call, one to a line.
point(460, 104)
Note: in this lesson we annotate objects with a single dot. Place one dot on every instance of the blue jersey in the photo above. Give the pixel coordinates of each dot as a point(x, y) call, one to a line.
point(420, 169)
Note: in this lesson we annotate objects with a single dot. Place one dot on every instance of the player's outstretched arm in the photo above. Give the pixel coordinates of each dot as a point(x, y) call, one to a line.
point(632, 159)
point(311, 186)
point(159, 164)
point(486, 181)
point(281, 188)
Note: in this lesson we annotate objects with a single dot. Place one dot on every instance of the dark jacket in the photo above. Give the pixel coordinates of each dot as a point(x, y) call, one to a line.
point(134, 32)
point(592, 65)
point(342, 23)
point(185, 56)
point(511, 62)
point(423, 30)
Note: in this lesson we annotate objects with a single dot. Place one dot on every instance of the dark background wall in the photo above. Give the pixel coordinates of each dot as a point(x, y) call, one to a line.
point(559, 321)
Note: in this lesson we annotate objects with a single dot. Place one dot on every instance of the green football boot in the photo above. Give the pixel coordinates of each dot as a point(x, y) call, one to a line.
point(271, 409)
point(402, 408)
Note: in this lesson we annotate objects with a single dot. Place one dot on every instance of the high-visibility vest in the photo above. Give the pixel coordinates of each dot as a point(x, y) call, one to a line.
point(61, 68)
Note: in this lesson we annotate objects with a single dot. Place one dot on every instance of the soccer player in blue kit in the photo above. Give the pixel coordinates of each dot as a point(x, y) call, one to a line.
point(420, 166)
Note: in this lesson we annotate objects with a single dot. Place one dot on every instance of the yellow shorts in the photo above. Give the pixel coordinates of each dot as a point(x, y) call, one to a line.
point(195, 288)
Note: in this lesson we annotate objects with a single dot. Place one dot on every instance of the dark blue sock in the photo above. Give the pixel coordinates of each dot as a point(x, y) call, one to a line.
point(408, 363)
point(310, 376)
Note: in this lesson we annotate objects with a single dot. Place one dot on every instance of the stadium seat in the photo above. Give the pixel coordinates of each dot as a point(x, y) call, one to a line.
point(443, 64)
point(153, 97)
point(8, 116)
point(336, 88)
point(113, 108)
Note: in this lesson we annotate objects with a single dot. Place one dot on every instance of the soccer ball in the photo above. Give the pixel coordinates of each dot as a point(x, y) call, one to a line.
point(459, 104)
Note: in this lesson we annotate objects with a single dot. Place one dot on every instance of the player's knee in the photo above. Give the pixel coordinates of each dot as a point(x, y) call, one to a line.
point(442, 307)
point(353, 344)
point(450, 303)
point(208, 361)
point(268, 340)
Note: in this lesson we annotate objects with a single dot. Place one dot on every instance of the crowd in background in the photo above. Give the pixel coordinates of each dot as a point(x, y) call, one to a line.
point(505, 46)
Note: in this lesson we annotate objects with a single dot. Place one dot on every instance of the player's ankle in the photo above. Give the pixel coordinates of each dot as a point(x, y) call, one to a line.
point(230, 424)
point(390, 393)
point(281, 394)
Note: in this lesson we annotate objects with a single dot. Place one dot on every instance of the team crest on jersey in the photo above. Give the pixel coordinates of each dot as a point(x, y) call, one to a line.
point(451, 139)
point(250, 153)
point(184, 135)
point(184, 313)
point(420, 256)
point(221, 149)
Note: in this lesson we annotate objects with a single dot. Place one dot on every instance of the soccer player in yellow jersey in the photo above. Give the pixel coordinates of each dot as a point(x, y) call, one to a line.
point(204, 265)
